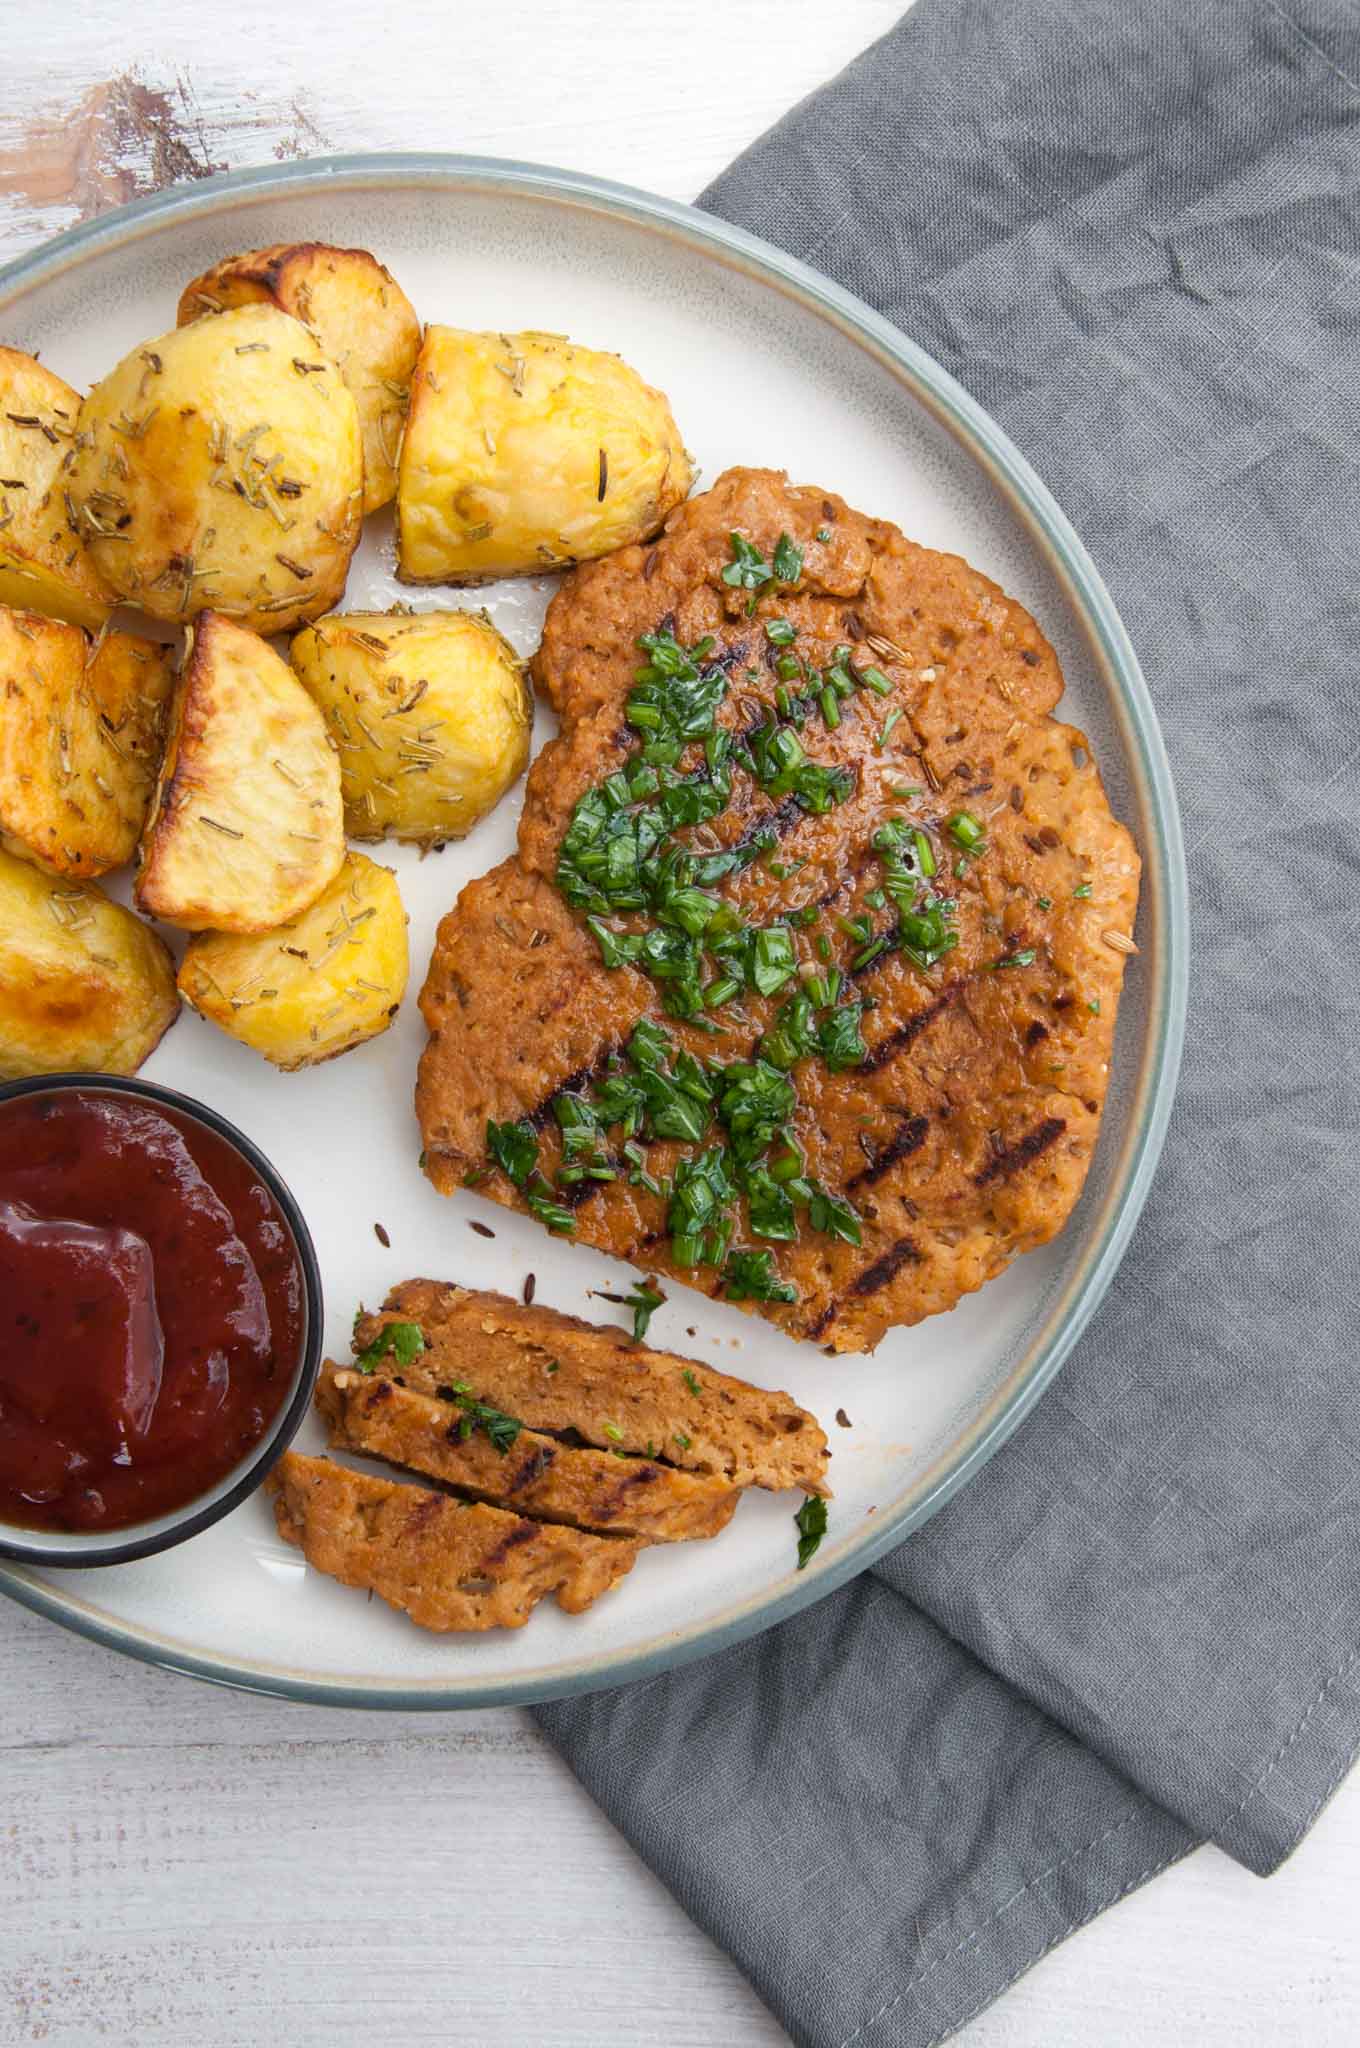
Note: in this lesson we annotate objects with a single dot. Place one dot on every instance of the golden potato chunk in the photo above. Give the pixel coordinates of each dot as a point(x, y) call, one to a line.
point(359, 314)
point(525, 452)
point(429, 713)
point(319, 985)
point(246, 829)
point(85, 987)
point(81, 722)
point(44, 566)
point(220, 468)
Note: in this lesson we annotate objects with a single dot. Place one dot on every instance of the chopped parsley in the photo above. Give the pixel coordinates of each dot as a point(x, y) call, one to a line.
point(473, 1414)
point(788, 560)
point(1026, 957)
point(810, 1522)
point(682, 1440)
point(750, 1276)
point(748, 568)
point(514, 1147)
point(402, 1341)
point(644, 1302)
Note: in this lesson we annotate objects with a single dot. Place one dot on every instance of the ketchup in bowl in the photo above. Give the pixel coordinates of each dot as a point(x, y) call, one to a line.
point(153, 1310)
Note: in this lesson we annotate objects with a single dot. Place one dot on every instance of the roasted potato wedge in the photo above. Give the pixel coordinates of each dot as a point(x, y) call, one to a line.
point(85, 987)
point(220, 468)
point(359, 314)
point(246, 828)
point(81, 724)
point(429, 713)
point(44, 566)
point(319, 985)
point(525, 452)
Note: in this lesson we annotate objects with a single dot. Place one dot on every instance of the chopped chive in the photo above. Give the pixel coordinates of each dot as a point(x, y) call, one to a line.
point(875, 680)
point(965, 831)
point(690, 1381)
point(1026, 957)
point(889, 722)
point(1084, 890)
point(831, 710)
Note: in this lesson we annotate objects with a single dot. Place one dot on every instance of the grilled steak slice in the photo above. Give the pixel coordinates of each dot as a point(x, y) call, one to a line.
point(556, 1372)
point(537, 1476)
point(450, 1565)
point(956, 1112)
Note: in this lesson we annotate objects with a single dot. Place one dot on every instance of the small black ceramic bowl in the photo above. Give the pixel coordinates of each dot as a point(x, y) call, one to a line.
point(84, 1548)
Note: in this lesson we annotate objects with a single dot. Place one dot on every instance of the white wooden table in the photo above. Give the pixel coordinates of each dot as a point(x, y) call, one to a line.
point(185, 1868)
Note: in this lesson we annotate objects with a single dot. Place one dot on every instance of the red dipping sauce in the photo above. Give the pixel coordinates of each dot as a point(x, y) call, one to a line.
point(152, 1309)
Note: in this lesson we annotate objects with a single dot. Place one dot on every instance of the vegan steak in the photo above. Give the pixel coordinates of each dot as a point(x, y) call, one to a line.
point(802, 984)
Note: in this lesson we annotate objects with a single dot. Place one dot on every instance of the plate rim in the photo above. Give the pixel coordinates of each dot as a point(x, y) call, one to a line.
point(1163, 862)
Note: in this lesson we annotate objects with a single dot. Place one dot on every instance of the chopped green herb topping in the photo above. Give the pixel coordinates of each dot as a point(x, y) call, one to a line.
point(494, 1422)
point(750, 1276)
point(1026, 957)
point(1084, 890)
point(514, 1148)
point(644, 1302)
point(788, 560)
point(966, 832)
point(539, 1197)
point(810, 1522)
point(690, 1381)
point(402, 1341)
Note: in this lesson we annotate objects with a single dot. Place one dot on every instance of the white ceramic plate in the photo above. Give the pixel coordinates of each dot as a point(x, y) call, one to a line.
point(764, 363)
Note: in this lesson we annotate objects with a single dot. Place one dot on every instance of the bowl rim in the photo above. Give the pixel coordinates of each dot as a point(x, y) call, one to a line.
point(176, 1525)
point(1163, 909)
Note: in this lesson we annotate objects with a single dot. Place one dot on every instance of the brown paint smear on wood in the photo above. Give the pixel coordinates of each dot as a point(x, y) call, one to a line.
point(126, 137)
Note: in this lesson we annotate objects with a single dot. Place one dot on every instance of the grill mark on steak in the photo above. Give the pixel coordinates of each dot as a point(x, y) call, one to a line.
point(580, 1077)
point(909, 1137)
point(614, 1502)
point(885, 1268)
point(533, 1468)
point(1012, 1157)
point(523, 1532)
point(909, 1030)
point(781, 821)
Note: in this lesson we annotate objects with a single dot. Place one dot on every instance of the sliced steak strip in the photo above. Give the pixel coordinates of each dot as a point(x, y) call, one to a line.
point(557, 1372)
point(450, 1565)
point(537, 1476)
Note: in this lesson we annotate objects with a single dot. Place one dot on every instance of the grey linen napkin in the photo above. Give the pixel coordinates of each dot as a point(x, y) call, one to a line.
point(1132, 229)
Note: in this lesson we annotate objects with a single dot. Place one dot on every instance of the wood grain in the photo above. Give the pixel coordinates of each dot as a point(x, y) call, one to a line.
point(182, 1865)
